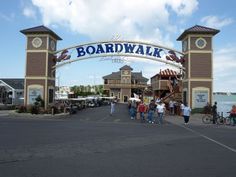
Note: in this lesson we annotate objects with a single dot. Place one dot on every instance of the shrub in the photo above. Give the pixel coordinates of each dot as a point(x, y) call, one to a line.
point(197, 110)
point(22, 109)
point(42, 110)
point(39, 101)
point(34, 109)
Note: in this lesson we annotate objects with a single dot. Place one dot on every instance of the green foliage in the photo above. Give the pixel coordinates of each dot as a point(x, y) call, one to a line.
point(197, 110)
point(87, 90)
point(39, 101)
point(38, 106)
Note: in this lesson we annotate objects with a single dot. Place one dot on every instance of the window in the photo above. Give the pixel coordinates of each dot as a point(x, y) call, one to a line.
point(51, 94)
point(19, 93)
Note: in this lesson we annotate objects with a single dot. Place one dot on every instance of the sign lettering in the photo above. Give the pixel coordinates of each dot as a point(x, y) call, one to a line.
point(111, 48)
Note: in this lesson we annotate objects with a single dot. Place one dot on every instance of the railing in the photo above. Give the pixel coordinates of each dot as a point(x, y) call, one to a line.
point(173, 91)
point(160, 85)
point(166, 85)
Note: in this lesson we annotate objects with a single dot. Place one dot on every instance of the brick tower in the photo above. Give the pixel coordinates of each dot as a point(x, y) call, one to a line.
point(39, 76)
point(198, 52)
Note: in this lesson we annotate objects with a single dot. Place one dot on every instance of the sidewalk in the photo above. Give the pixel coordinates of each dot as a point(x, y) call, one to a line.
point(5, 112)
point(195, 119)
point(13, 113)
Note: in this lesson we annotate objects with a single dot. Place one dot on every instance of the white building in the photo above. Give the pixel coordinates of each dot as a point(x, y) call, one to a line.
point(12, 91)
point(63, 92)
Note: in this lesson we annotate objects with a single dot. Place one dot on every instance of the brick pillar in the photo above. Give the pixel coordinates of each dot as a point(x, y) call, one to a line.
point(198, 52)
point(39, 76)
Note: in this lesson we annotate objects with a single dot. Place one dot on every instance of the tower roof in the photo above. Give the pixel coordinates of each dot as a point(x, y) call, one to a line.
point(197, 29)
point(40, 30)
point(117, 76)
point(168, 72)
point(126, 67)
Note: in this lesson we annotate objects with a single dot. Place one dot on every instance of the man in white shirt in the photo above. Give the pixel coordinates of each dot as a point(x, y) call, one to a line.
point(160, 111)
point(186, 113)
point(112, 107)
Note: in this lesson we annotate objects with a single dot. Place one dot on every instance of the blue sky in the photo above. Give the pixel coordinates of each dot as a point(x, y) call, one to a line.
point(81, 21)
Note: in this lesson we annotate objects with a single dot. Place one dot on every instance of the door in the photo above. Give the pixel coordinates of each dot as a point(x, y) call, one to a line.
point(125, 99)
point(185, 97)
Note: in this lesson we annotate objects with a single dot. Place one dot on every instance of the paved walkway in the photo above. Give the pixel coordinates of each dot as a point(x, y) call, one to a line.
point(195, 120)
point(5, 112)
point(121, 115)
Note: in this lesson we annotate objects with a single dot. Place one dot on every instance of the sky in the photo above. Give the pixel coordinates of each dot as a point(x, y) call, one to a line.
point(82, 21)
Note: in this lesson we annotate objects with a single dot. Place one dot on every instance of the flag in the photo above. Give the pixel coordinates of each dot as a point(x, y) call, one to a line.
point(173, 57)
point(63, 56)
point(136, 96)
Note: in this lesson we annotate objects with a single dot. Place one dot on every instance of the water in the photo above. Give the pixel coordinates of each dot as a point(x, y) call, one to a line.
point(224, 103)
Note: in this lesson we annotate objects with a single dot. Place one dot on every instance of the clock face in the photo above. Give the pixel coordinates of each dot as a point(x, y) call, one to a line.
point(126, 72)
point(37, 42)
point(200, 43)
point(52, 45)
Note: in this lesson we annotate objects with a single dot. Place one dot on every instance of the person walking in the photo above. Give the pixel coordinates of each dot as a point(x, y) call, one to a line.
point(214, 112)
point(181, 108)
point(186, 113)
point(133, 108)
point(171, 106)
point(233, 115)
point(151, 110)
point(160, 112)
point(141, 110)
point(112, 107)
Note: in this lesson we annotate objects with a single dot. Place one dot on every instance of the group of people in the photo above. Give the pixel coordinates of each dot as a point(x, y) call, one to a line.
point(155, 107)
point(147, 111)
point(208, 109)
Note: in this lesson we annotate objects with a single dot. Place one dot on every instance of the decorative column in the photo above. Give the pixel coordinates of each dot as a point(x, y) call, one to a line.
point(39, 76)
point(198, 53)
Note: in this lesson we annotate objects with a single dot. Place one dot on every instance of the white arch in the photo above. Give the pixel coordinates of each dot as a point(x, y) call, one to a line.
point(175, 64)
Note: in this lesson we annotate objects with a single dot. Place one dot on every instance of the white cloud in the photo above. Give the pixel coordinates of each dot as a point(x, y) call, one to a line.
point(224, 69)
point(183, 7)
point(224, 59)
point(216, 22)
point(132, 19)
point(29, 12)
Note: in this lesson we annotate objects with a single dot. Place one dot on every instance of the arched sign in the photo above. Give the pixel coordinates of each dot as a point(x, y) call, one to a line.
point(196, 43)
point(119, 48)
